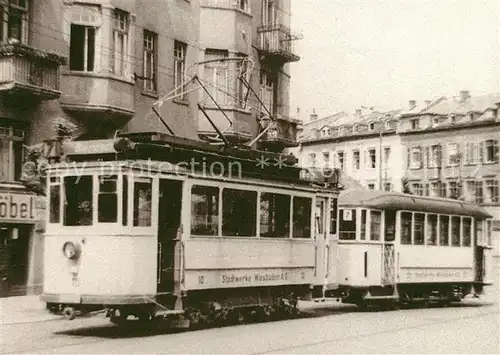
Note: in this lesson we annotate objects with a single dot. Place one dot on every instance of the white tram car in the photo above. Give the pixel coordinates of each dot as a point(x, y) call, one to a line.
point(141, 233)
point(397, 249)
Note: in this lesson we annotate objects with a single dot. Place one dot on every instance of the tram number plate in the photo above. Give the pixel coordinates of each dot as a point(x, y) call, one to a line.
point(70, 298)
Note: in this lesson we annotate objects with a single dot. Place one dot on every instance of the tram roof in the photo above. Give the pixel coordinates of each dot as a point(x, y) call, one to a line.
point(399, 201)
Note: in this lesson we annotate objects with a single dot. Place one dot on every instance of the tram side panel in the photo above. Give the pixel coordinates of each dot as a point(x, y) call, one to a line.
point(435, 264)
point(359, 265)
point(108, 269)
point(232, 263)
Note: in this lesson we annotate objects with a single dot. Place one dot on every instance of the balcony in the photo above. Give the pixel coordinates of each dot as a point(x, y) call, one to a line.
point(98, 98)
point(276, 44)
point(237, 130)
point(28, 73)
point(282, 135)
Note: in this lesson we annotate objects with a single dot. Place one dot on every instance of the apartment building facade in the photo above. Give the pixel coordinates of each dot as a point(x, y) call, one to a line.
point(364, 146)
point(259, 30)
point(102, 65)
point(452, 150)
point(447, 147)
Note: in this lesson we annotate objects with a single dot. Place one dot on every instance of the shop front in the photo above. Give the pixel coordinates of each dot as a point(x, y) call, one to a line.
point(21, 243)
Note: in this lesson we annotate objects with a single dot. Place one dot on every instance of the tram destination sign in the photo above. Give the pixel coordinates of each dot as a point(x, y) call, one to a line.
point(436, 274)
point(242, 278)
point(19, 207)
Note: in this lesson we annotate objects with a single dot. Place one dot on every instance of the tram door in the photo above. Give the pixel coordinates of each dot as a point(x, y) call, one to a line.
point(169, 221)
point(388, 252)
point(321, 240)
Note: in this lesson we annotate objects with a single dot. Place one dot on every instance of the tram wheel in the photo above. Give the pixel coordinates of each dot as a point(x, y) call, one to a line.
point(195, 319)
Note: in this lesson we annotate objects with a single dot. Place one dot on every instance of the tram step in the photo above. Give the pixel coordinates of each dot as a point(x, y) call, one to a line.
point(169, 312)
point(390, 297)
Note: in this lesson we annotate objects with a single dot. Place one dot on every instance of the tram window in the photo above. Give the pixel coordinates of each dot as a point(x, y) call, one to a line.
point(390, 225)
point(432, 231)
point(375, 224)
point(239, 213)
point(142, 202)
point(107, 204)
point(479, 232)
point(347, 224)
point(444, 222)
point(204, 210)
point(125, 200)
point(418, 229)
point(333, 216)
point(363, 225)
point(302, 217)
point(55, 199)
point(406, 227)
point(274, 215)
point(455, 231)
point(78, 201)
point(467, 226)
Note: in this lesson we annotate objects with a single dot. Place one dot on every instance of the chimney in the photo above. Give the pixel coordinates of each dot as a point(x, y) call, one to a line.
point(412, 104)
point(313, 116)
point(464, 95)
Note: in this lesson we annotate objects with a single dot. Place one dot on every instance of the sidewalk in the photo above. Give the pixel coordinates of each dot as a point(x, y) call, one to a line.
point(24, 309)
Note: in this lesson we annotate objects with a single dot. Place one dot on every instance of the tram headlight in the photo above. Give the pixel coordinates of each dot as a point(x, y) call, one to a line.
point(71, 250)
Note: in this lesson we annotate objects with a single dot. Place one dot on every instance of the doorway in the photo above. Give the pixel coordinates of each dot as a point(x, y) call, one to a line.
point(14, 259)
point(169, 221)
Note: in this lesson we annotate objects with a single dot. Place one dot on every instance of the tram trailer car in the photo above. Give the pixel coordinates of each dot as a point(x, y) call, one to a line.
point(150, 242)
point(398, 249)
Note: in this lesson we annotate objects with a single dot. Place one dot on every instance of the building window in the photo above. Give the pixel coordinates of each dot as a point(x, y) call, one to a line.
point(82, 48)
point(491, 191)
point(453, 119)
point(243, 5)
point(11, 153)
point(371, 186)
point(491, 151)
point(478, 194)
point(415, 124)
point(204, 210)
point(454, 190)
point(416, 158)
point(312, 159)
point(268, 92)
point(120, 42)
point(216, 73)
point(434, 156)
point(325, 132)
point(371, 126)
point(355, 159)
point(326, 159)
point(341, 158)
point(149, 57)
point(15, 21)
point(341, 131)
point(453, 154)
point(355, 128)
point(180, 69)
point(372, 159)
point(471, 153)
point(417, 189)
point(387, 186)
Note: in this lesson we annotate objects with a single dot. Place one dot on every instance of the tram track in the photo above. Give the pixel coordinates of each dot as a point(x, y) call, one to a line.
point(113, 333)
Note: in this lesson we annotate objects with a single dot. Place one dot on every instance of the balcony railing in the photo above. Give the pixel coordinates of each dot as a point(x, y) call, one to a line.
point(277, 41)
point(30, 72)
point(282, 134)
point(227, 4)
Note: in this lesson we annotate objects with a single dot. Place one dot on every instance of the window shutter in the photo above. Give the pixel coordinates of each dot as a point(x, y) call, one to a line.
point(482, 148)
point(427, 156)
point(408, 157)
point(421, 158)
point(496, 157)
